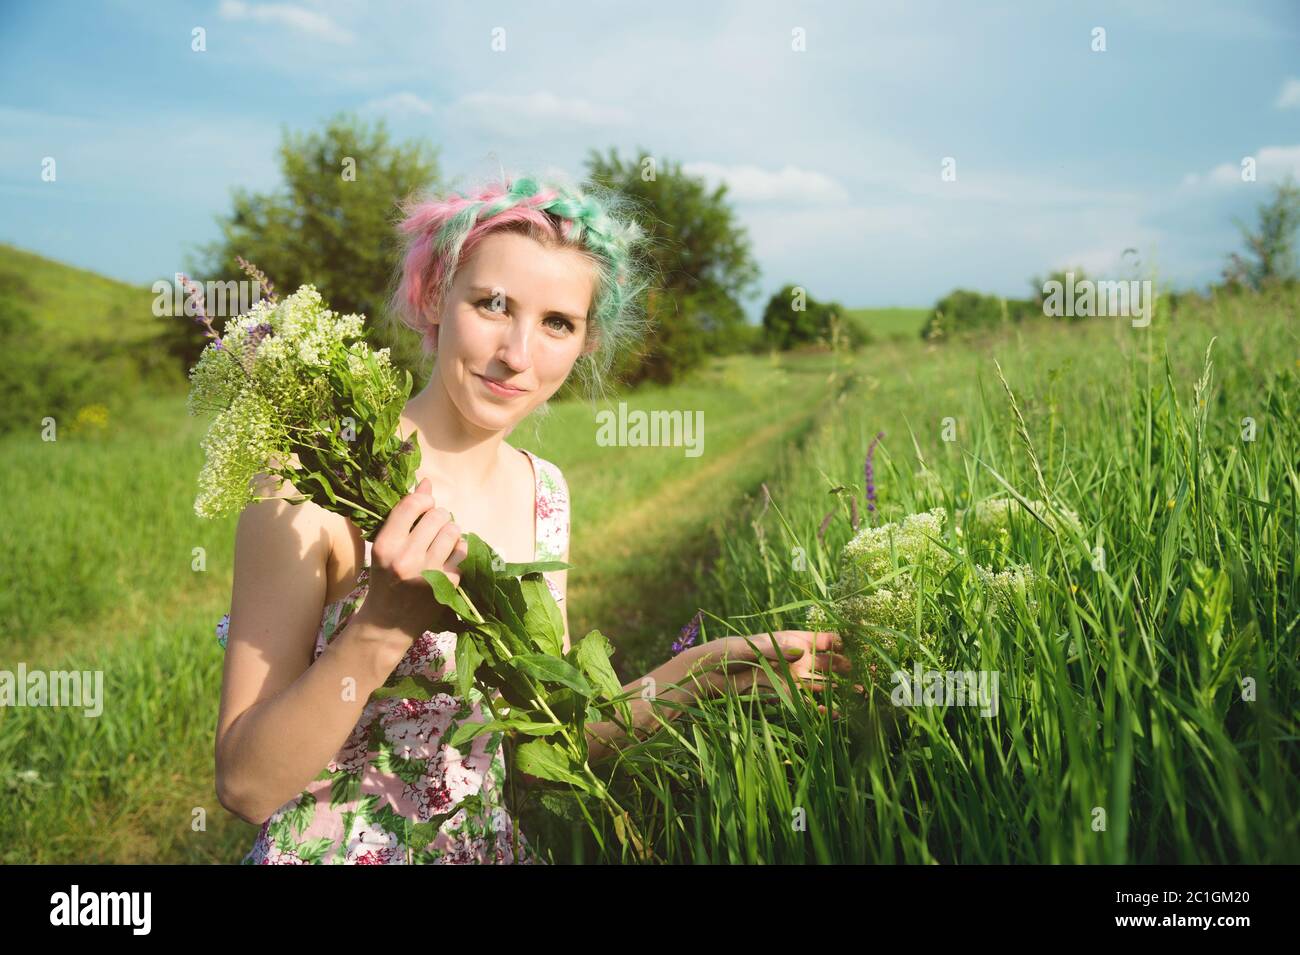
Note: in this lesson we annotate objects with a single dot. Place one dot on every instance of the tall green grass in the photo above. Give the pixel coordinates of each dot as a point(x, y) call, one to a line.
point(1125, 733)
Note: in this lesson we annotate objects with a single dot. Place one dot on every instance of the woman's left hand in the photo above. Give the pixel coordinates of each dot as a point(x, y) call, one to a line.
point(813, 656)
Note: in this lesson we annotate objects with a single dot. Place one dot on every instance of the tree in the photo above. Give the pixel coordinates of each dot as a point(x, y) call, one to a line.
point(963, 310)
point(333, 225)
point(790, 319)
point(702, 258)
point(1271, 247)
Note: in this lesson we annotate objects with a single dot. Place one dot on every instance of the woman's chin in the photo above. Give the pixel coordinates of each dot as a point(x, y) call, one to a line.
point(491, 416)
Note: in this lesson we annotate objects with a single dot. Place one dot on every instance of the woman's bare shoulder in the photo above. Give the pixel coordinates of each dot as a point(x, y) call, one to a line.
point(343, 544)
point(283, 503)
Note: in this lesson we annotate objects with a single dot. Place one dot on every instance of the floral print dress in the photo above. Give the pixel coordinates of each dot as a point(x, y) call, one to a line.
point(394, 794)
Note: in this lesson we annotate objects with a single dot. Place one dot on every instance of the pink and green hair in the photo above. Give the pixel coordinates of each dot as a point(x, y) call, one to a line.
point(440, 232)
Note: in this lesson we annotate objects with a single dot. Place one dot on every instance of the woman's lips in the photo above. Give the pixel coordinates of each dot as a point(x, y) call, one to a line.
point(505, 391)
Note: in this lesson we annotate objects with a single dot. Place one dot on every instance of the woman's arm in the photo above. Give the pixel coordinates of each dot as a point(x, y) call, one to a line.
point(604, 738)
point(729, 664)
point(283, 718)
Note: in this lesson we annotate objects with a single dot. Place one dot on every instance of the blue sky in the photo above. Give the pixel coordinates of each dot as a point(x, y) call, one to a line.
point(833, 153)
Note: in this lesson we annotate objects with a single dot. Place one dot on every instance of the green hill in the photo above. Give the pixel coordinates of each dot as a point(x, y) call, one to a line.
point(890, 323)
point(75, 340)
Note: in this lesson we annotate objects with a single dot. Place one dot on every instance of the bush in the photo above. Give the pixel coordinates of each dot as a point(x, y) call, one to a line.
point(785, 325)
point(963, 310)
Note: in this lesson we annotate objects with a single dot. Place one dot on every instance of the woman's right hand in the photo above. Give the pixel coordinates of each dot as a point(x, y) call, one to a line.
point(417, 536)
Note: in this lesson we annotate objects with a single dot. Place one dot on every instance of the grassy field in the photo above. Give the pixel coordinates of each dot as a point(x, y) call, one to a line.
point(1127, 732)
point(897, 324)
point(1108, 700)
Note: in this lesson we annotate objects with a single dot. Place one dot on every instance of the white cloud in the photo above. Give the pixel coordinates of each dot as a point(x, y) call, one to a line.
point(286, 14)
point(1289, 96)
point(1272, 163)
point(405, 103)
point(751, 184)
point(505, 112)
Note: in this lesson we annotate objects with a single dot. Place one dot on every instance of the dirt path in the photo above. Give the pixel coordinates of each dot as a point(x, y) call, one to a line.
point(636, 582)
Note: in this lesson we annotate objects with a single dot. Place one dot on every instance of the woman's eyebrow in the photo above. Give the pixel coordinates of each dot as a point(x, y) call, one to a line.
point(480, 290)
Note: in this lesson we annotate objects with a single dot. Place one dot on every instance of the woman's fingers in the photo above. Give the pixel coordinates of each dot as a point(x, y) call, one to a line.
point(431, 524)
point(742, 649)
point(408, 510)
point(833, 663)
point(752, 678)
point(441, 553)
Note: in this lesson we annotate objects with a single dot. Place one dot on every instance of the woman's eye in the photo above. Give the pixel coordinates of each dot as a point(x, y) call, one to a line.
point(564, 325)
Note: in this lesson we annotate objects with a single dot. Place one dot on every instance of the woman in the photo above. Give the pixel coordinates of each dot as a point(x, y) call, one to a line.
point(512, 289)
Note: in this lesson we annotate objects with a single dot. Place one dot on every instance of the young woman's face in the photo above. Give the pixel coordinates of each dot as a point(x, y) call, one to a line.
point(517, 313)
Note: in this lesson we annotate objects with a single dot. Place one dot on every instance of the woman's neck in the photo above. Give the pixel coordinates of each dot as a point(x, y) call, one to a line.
point(453, 452)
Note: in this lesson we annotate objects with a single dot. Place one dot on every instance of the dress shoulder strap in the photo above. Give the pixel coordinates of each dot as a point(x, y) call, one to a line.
point(552, 509)
point(366, 559)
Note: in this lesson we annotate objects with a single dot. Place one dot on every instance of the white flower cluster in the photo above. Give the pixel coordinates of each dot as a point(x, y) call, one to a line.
point(901, 551)
point(1005, 585)
point(880, 568)
point(266, 377)
point(301, 326)
point(235, 448)
point(874, 551)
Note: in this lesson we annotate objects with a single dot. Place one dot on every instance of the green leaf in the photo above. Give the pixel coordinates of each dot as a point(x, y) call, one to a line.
point(567, 705)
point(410, 687)
point(592, 654)
point(379, 496)
point(545, 760)
point(542, 620)
point(543, 666)
point(476, 575)
point(468, 658)
point(513, 687)
point(319, 489)
point(536, 566)
point(532, 727)
point(466, 732)
point(447, 594)
point(1206, 604)
point(512, 608)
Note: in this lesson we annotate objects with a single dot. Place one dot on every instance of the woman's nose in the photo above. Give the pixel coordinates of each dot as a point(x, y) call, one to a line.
point(515, 349)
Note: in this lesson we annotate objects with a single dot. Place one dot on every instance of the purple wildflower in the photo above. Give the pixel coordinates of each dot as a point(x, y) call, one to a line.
point(688, 634)
point(196, 295)
point(259, 332)
point(258, 276)
point(870, 474)
point(223, 629)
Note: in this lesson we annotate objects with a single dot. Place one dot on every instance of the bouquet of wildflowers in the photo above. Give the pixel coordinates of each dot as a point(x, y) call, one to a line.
point(293, 383)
